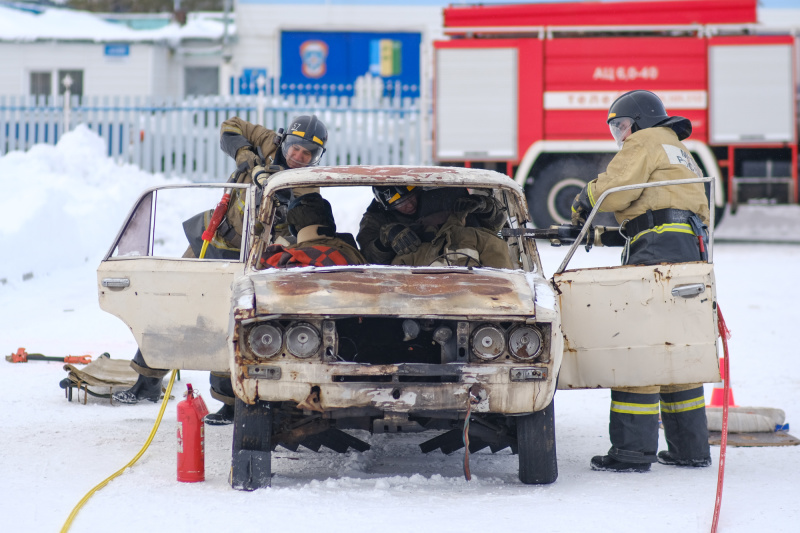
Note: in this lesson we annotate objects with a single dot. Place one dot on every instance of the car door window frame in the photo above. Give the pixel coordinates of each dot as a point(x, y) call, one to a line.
point(151, 196)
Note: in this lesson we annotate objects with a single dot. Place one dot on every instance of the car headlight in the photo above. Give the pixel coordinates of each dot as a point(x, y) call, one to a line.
point(302, 340)
point(488, 342)
point(265, 340)
point(525, 343)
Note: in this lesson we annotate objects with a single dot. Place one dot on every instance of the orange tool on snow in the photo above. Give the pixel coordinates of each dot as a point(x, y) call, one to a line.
point(23, 357)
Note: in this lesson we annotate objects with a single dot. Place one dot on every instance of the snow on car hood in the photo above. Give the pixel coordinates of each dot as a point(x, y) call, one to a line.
point(399, 291)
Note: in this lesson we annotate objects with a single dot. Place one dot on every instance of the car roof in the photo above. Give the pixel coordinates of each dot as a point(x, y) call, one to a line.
point(392, 175)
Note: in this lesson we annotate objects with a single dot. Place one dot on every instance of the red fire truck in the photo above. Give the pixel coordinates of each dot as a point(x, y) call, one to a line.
point(525, 89)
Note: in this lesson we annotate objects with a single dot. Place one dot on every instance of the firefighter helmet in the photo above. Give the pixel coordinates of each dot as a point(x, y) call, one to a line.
point(304, 142)
point(392, 196)
point(645, 110)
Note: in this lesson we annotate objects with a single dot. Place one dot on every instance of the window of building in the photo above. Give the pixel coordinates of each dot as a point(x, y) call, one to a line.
point(201, 81)
point(41, 83)
point(77, 81)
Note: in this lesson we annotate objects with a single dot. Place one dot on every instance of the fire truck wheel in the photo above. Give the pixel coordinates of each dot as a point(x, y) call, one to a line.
point(551, 195)
point(251, 464)
point(536, 445)
point(557, 184)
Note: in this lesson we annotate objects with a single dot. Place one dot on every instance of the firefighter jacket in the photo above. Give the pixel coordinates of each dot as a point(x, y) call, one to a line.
point(650, 155)
point(435, 208)
point(457, 245)
point(237, 134)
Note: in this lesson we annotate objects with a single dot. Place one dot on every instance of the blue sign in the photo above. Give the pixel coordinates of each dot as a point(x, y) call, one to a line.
point(248, 81)
point(117, 50)
point(330, 62)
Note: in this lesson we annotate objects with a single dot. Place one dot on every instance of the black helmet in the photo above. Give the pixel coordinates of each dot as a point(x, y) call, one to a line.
point(308, 210)
point(309, 133)
point(646, 110)
point(392, 196)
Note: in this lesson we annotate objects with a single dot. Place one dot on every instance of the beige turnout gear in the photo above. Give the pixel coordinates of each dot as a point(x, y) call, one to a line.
point(455, 244)
point(240, 140)
point(647, 156)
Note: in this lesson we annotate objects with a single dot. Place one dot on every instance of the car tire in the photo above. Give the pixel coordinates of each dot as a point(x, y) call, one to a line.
point(251, 463)
point(536, 446)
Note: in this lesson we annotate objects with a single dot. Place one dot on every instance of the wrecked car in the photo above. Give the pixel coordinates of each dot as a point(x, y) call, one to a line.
point(464, 352)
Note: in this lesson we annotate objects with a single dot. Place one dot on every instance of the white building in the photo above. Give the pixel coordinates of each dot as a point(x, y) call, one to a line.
point(263, 25)
point(37, 51)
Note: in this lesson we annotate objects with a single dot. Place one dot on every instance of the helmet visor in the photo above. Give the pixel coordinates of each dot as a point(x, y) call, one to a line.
point(301, 153)
point(620, 128)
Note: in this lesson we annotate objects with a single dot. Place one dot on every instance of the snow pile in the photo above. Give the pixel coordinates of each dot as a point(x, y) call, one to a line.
point(62, 205)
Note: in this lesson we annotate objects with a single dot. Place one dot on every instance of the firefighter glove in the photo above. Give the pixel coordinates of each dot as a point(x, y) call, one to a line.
point(246, 156)
point(399, 238)
point(475, 204)
point(581, 207)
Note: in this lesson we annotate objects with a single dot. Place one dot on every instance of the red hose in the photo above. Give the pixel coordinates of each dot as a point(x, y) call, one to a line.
point(725, 334)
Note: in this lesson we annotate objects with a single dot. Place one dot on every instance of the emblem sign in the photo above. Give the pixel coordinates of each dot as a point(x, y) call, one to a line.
point(314, 55)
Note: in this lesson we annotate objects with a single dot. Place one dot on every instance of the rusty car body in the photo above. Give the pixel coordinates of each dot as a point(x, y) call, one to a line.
point(316, 351)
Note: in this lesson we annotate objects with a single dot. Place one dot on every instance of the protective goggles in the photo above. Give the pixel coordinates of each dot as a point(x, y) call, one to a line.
point(620, 129)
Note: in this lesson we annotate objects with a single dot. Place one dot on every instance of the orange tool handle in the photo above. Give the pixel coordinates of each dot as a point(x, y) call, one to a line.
point(23, 356)
point(78, 359)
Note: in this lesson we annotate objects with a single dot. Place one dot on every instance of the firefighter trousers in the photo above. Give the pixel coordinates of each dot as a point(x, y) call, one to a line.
point(633, 422)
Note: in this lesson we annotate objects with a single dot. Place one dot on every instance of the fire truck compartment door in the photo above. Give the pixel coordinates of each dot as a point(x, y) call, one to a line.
point(751, 92)
point(476, 104)
point(635, 326)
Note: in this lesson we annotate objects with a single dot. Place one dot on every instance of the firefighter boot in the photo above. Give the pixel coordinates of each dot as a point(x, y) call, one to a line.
point(609, 464)
point(222, 390)
point(683, 414)
point(222, 417)
point(145, 388)
point(633, 429)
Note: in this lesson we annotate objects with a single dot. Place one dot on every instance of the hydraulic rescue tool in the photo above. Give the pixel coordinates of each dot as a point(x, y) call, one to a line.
point(567, 233)
point(21, 356)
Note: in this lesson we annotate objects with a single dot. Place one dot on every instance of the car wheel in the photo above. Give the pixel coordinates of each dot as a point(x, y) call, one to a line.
point(536, 445)
point(251, 464)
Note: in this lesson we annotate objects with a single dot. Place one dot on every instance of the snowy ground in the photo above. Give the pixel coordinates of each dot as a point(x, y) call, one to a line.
point(63, 205)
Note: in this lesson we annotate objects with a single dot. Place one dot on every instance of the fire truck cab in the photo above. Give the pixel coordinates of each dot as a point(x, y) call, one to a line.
point(525, 89)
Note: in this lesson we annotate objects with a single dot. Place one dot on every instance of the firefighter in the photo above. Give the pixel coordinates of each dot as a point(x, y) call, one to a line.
point(663, 225)
point(301, 145)
point(250, 145)
point(405, 225)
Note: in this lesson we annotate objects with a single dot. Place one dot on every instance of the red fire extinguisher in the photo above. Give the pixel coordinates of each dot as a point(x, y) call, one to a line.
point(191, 437)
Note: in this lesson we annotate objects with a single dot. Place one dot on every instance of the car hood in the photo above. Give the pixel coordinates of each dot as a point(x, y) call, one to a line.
point(378, 290)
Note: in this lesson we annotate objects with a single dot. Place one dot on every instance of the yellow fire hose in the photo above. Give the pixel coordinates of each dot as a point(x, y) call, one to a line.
point(106, 481)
